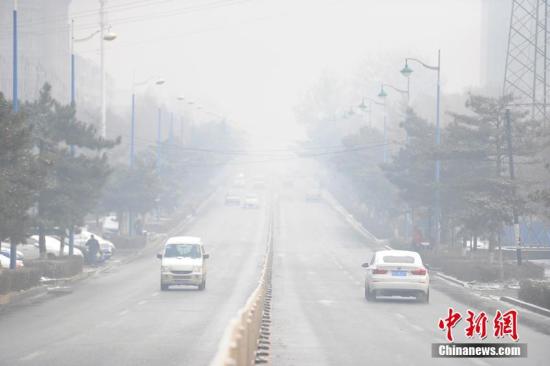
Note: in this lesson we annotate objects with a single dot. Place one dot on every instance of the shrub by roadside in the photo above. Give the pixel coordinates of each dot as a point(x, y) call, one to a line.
point(480, 268)
point(29, 276)
point(535, 292)
point(19, 280)
point(59, 267)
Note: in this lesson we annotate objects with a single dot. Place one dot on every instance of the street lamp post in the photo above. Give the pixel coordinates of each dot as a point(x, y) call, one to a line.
point(362, 106)
point(110, 36)
point(132, 138)
point(158, 82)
point(15, 101)
point(384, 95)
point(407, 71)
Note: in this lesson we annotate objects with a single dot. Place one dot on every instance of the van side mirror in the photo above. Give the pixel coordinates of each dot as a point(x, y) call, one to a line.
point(365, 265)
point(206, 255)
point(159, 255)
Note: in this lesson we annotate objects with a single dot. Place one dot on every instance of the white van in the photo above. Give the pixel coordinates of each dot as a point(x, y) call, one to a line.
point(183, 263)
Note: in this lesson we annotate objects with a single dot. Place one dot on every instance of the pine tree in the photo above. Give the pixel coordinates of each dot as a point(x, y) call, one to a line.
point(18, 178)
point(71, 158)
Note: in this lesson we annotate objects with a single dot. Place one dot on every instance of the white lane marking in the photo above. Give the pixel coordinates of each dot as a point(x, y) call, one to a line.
point(357, 283)
point(400, 316)
point(417, 327)
point(30, 356)
point(326, 302)
point(123, 312)
point(155, 294)
point(142, 302)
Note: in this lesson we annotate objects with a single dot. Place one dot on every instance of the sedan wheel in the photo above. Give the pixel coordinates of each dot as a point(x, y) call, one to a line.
point(424, 297)
point(202, 286)
point(369, 295)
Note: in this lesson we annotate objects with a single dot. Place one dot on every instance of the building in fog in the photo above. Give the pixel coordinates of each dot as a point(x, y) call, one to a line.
point(43, 47)
point(494, 41)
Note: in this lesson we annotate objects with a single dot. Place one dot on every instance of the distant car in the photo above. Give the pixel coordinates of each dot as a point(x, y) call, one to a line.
point(251, 201)
point(183, 263)
point(53, 245)
point(6, 250)
point(110, 226)
point(313, 195)
point(5, 261)
point(397, 273)
point(232, 199)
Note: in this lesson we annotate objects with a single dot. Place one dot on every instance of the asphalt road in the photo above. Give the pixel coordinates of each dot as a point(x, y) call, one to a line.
point(320, 315)
point(122, 318)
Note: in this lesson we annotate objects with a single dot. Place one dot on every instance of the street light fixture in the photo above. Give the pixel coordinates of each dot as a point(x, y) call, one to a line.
point(407, 71)
point(382, 93)
point(110, 36)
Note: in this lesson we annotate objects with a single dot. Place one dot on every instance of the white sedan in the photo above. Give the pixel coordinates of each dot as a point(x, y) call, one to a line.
point(53, 246)
point(107, 247)
point(397, 273)
point(5, 261)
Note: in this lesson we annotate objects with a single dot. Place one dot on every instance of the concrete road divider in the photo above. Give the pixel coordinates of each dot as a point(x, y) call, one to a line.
point(247, 339)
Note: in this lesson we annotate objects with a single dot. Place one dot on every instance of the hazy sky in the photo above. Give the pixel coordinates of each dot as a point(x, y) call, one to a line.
point(253, 60)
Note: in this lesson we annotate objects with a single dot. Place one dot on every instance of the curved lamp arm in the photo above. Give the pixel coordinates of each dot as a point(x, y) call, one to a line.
point(435, 68)
point(402, 91)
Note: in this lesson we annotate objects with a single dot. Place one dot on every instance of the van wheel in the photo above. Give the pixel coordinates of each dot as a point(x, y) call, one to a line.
point(163, 287)
point(202, 286)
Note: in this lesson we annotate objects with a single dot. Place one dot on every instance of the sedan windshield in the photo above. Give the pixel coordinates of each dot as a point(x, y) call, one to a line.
point(182, 250)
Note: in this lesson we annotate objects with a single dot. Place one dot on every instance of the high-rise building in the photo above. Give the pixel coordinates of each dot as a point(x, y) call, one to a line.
point(494, 41)
point(43, 47)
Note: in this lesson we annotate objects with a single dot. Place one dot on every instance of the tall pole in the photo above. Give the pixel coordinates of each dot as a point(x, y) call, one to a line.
point(103, 127)
point(73, 87)
point(385, 134)
point(132, 130)
point(517, 236)
point(437, 162)
point(171, 126)
point(15, 100)
point(159, 137)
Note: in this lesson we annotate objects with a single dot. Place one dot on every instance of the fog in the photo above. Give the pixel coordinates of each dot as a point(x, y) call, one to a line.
point(253, 61)
point(275, 182)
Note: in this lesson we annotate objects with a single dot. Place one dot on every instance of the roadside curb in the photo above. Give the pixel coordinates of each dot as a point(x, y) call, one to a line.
point(534, 308)
point(17, 298)
point(451, 279)
point(356, 225)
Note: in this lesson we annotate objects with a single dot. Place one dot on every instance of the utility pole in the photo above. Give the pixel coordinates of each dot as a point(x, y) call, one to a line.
point(15, 96)
point(103, 127)
point(512, 178)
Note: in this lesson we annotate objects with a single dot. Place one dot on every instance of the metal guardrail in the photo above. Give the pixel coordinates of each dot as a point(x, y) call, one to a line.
point(247, 338)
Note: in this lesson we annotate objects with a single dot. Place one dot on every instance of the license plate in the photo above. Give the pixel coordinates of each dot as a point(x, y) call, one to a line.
point(398, 273)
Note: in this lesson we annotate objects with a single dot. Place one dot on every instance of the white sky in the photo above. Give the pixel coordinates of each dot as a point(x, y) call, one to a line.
point(253, 60)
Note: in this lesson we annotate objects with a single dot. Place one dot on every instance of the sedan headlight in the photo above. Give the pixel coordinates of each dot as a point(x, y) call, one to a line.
point(164, 269)
point(197, 269)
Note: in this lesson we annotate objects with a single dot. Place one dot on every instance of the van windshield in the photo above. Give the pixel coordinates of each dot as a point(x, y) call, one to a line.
point(182, 250)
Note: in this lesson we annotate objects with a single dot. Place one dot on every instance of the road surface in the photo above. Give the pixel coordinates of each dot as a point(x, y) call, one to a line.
point(320, 316)
point(121, 318)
